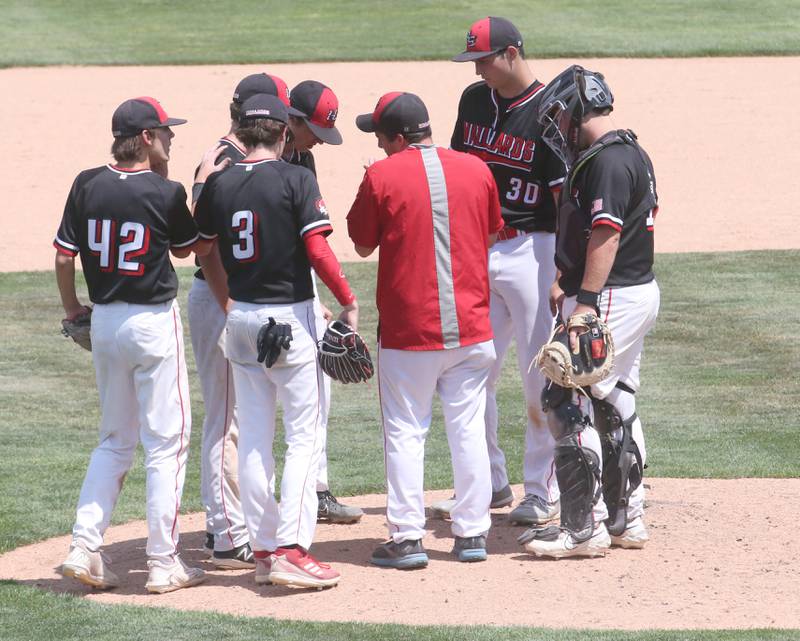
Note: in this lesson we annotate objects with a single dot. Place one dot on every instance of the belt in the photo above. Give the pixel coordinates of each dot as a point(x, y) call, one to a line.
point(510, 232)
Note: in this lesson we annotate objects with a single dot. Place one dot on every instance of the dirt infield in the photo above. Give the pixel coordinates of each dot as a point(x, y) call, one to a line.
point(722, 554)
point(713, 126)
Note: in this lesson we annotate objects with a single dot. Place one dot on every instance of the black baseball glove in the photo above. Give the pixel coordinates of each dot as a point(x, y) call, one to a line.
point(79, 328)
point(272, 338)
point(343, 354)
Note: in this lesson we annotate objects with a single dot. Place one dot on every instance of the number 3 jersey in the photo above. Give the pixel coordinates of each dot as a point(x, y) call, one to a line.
point(123, 224)
point(506, 135)
point(259, 211)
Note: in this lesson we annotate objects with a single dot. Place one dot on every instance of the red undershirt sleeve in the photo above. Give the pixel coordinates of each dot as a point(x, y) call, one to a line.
point(327, 266)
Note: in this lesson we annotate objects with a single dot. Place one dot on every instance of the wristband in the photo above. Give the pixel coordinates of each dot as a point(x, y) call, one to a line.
point(196, 189)
point(585, 297)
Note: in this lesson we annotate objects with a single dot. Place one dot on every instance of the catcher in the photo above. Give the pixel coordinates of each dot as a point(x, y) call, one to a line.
point(605, 260)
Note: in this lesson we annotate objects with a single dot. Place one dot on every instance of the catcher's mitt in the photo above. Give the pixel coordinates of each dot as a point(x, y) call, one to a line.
point(79, 327)
point(343, 354)
point(590, 363)
point(272, 338)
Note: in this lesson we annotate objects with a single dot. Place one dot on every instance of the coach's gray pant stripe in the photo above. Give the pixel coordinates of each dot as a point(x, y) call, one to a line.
point(441, 246)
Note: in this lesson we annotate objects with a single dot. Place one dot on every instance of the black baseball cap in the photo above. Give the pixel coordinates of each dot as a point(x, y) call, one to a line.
point(265, 83)
point(319, 107)
point(397, 112)
point(488, 36)
point(264, 105)
point(137, 114)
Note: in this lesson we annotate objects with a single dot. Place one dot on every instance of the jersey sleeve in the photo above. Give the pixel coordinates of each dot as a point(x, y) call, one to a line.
point(67, 239)
point(607, 192)
point(362, 221)
point(182, 227)
point(310, 209)
point(203, 212)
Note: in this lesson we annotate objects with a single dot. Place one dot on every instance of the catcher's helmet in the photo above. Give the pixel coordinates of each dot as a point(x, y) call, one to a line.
point(566, 100)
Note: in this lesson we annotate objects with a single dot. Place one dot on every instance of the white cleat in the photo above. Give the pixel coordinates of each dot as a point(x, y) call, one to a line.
point(168, 577)
point(90, 568)
point(562, 545)
point(634, 537)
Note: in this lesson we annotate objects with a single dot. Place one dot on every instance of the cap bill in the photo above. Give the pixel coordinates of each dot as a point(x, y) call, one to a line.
point(469, 56)
point(171, 122)
point(364, 123)
point(329, 135)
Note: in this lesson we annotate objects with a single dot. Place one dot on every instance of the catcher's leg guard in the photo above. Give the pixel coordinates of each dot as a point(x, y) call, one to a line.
point(577, 468)
point(622, 462)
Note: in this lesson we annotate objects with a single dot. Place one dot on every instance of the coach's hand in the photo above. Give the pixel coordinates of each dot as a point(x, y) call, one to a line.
point(349, 315)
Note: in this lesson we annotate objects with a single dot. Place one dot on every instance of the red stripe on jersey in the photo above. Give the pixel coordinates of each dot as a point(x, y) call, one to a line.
point(327, 109)
point(63, 250)
point(162, 115)
point(537, 87)
point(489, 157)
point(606, 221)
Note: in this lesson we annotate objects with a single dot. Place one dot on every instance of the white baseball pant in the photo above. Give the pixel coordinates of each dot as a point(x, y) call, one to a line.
point(407, 381)
point(295, 381)
point(521, 271)
point(219, 465)
point(144, 394)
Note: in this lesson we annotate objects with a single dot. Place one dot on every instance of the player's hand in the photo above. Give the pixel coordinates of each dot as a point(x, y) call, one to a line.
point(327, 314)
point(574, 333)
point(74, 312)
point(368, 162)
point(349, 315)
point(209, 164)
point(556, 298)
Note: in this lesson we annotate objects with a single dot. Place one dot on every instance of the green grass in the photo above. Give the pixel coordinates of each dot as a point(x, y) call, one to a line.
point(29, 614)
point(88, 32)
point(718, 400)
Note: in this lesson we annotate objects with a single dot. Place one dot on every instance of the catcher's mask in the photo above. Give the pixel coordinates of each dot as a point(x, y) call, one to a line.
point(566, 100)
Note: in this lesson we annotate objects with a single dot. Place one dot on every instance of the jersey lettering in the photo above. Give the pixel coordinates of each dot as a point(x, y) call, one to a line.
point(516, 151)
point(101, 242)
point(530, 195)
point(246, 249)
point(135, 241)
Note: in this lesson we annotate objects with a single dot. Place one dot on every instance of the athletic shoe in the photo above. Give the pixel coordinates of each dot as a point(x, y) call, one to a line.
point(634, 536)
point(407, 555)
point(470, 549)
point(263, 568)
point(236, 559)
point(297, 568)
point(559, 543)
point(168, 577)
point(501, 498)
point(329, 509)
point(534, 510)
point(90, 568)
point(208, 546)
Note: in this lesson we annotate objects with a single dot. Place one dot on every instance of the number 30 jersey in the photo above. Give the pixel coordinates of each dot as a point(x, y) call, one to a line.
point(259, 212)
point(506, 135)
point(123, 223)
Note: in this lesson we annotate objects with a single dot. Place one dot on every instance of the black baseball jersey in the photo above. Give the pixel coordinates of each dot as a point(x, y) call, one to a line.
point(506, 135)
point(611, 183)
point(259, 212)
point(303, 159)
point(123, 223)
point(235, 153)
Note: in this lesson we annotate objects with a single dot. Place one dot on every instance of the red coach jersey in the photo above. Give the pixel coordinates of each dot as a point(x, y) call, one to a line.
point(123, 223)
point(431, 211)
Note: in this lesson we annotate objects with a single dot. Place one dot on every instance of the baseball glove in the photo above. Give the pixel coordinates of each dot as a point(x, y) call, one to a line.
point(79, 327)
point(343, 354)
point(589, 363)
point(272, 338)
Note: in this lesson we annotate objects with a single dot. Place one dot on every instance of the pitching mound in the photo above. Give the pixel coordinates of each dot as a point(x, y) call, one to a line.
point(722, 554)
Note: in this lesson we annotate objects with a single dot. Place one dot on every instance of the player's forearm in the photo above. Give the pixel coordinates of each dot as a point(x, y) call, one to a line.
point(215, 275)
point(600, 254)
point(65, 279)
point(327, 266)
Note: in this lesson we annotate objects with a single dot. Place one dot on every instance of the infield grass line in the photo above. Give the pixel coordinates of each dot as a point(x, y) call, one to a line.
point(147, 32)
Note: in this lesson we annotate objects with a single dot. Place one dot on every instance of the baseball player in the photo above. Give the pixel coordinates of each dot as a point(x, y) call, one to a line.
point(497, 123)
point(124, 219)
point(226, 537)
point(434, 213)
point(314, 122)
point(605, 261)
point(269, 222)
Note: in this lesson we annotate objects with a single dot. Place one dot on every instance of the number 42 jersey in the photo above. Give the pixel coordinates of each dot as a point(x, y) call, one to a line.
point(506, 135)
point(123, 223)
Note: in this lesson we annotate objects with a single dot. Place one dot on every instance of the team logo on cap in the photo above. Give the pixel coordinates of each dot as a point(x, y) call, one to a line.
point(332, 113)
point(471, 39)
point(320, 205)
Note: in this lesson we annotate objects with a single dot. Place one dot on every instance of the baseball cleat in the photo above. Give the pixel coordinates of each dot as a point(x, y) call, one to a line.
point(470, 549)
point(406, 555)
point(90, 568)
point(297, 568)
point(168, 577)
point(329, 509)
point(263, 568)
point(558, 543)
point(441, 509)
point(501, 498)
point(240, 557)
point(634, 537)
point(534, 510)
